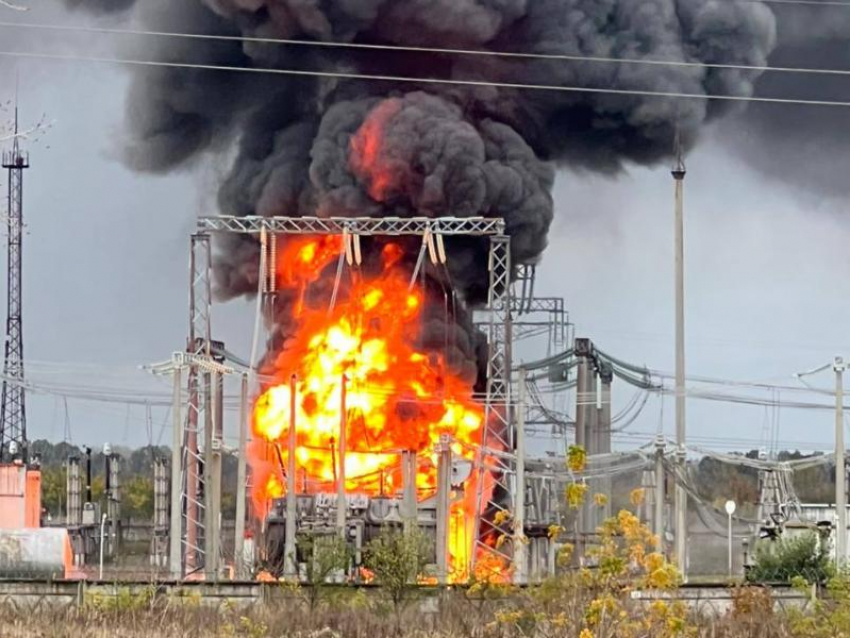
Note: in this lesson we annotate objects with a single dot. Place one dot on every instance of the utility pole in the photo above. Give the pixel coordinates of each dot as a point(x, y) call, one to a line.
point(290, 561)
point(175, 522)
point(519, 540)
point(13, 415)
point(658, 517)
point(341, 505)
point(680, 496)
point(241, 476)
point(839, 366)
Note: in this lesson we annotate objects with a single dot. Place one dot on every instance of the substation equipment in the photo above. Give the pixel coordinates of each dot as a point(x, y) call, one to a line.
point(530, 500)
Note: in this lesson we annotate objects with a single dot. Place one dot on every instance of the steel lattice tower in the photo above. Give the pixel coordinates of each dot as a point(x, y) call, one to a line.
point(13, 415)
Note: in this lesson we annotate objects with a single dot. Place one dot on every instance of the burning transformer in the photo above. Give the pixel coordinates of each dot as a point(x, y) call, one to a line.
point(364, 518)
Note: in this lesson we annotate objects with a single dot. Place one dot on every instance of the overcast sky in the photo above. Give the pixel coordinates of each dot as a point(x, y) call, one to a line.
point(106, 265)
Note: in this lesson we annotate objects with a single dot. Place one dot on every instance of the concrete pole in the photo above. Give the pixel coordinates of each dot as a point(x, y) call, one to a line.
point(520, 548)
point(603, 429)
point(175, 522)
point(840, 477)
point(241, 476)
point(681, 497)
point(444, 489)
point(408, 498)
point(582, 411)
point(658, 517)
point(290, 569)
point(591, 513)
point(212, 478)
point(340, 484)
point(581, 402)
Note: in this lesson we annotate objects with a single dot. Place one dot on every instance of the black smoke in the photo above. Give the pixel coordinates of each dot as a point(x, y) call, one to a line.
point(445, 150)
point(802, 145)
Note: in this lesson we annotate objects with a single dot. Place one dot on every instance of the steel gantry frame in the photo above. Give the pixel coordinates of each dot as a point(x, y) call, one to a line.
point(13, 415)
point(495, 485)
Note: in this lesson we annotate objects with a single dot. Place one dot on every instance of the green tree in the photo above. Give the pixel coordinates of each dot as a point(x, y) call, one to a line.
point(137, 498)
point(53, 490)
point(323, 555)
point(397, 559)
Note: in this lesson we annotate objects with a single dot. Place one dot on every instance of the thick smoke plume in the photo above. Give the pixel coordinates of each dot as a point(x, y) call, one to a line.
point(802, 145)
point(334, 146)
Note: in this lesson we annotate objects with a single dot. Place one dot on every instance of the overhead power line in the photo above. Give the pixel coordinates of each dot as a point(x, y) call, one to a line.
point(398, 48)
point(421, 80)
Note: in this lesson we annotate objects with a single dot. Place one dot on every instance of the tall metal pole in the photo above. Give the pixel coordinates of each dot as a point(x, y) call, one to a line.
point(840, 477)
point(290, 562)
point(175, 522)
point(520, 549)
point(340, 486)
point(681, 497)
point(241, 476)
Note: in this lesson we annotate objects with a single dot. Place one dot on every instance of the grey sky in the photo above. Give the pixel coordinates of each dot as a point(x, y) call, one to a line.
point(106, 263)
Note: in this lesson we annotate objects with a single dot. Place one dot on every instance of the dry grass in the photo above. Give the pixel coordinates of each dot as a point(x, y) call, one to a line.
point(353, 614)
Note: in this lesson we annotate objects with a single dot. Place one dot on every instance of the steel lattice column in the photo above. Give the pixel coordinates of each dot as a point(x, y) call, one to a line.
point(200, 308)
point(13, 416)
point(495, 491)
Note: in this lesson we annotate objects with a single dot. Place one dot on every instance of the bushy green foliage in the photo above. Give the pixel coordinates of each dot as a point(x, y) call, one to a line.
point(397, 559)
point(323, 556)
point(786, 559)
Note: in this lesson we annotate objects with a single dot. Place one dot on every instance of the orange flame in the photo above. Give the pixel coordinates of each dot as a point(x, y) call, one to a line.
point(398, 398)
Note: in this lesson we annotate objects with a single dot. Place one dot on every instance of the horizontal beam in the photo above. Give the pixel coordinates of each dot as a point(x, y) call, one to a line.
point(481, 226)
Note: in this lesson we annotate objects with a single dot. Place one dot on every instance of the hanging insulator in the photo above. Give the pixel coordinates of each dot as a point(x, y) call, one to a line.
point(271, 267)
point(441, 249)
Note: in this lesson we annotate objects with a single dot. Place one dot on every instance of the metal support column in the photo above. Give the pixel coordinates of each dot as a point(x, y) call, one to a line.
point(13, 415)
point(497, 459)
point(200, 306)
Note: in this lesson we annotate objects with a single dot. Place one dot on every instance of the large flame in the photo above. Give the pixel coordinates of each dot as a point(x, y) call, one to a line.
point(398, 398)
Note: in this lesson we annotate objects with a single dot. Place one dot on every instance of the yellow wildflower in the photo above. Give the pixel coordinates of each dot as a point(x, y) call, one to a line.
point(576, 458)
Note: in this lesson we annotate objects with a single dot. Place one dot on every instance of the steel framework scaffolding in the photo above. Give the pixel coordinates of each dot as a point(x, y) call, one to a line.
point(496, 476)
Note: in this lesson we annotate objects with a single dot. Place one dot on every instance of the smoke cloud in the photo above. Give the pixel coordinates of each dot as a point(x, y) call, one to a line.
point(336, 146)
point(802, 145)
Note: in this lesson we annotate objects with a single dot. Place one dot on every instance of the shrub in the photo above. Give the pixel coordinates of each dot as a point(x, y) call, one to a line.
point(783, 560)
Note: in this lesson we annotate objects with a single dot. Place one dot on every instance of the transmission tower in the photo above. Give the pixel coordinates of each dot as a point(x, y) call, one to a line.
point(13, 416)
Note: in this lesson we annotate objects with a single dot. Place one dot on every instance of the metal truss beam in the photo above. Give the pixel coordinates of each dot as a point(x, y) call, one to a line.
point(481, 226)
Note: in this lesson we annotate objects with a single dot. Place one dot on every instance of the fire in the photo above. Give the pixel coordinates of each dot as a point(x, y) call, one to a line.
point(397, 398)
